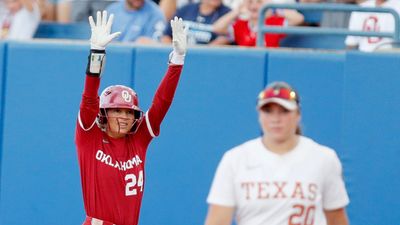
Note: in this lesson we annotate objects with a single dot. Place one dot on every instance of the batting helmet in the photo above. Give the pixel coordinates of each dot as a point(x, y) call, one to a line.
point(119, 96)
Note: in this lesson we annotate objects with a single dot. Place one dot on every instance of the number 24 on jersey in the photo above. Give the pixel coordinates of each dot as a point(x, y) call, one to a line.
point(133, 183)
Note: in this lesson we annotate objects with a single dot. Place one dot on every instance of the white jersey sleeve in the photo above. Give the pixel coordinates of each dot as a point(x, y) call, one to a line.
point(355, 24)
point(222, 189)
point(334, 195)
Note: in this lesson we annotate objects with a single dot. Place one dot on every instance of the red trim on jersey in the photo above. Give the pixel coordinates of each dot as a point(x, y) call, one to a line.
point(244, 36)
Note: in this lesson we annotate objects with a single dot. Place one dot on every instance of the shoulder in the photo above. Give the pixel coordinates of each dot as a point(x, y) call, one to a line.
point(394, 4)
point(243, 150)
point(316, 150)
point(223, 9)
point(150, 5)
point(115, 7)
point(152, 8)
point(190, 7)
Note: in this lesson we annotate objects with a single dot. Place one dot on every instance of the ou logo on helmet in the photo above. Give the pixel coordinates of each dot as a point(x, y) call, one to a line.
point(126, 96)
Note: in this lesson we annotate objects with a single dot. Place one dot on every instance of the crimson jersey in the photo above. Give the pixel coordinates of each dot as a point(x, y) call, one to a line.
point(112, 170)
point(245, 36)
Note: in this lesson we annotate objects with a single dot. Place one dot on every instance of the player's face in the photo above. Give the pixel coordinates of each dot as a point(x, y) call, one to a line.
point(13, 5)
point(278, 123)
point(213, 3)
point(134, 4)
point(120, 122)
point(253, 6)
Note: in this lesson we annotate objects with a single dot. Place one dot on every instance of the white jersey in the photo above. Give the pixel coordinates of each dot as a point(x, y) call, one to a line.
point(380, 22)
point(266, 188)
point(20, 26)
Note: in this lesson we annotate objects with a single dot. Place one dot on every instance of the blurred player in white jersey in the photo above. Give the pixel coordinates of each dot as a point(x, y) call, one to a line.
point(280, 178)
point(112, 133)
point(370, 21)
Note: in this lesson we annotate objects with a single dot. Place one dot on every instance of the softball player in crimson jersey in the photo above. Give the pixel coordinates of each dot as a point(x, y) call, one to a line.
point(281, 178)
point(112, 135)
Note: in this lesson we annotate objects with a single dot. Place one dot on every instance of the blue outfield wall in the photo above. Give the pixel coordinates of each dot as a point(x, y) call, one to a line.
point(371, 127)
point(213, 110)
point(3, 50)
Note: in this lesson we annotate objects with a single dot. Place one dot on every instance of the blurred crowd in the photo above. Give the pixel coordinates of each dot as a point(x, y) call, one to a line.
point(211, 22)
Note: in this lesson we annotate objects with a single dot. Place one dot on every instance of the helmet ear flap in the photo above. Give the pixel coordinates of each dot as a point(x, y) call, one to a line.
point(103, 116)
point(101, 119)
point(138, 114)
point(138, 120)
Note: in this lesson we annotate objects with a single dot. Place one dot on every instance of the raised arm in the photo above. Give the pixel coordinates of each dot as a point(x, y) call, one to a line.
point(99, 39)
point(293, 17)
point(166, 90)
point(221, 26)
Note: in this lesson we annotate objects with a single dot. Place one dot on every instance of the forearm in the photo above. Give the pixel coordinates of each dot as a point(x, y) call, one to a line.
point(221, 26)
point(166, 39)
point(221, 40)
point(293, 17)
point(168, 7)
point(63, 10)
point(166, 90)
point(90, 98)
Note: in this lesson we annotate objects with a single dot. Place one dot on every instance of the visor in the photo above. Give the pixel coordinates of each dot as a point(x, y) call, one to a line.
point(279, 93)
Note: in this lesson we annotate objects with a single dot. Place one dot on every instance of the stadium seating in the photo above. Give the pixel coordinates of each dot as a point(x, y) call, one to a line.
point(54, 30)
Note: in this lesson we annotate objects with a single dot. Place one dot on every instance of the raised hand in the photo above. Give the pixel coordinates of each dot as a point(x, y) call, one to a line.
point(101, 31)
point(179, 36)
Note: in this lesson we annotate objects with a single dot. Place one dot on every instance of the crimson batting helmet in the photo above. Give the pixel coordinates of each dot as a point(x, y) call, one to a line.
point(122, 97)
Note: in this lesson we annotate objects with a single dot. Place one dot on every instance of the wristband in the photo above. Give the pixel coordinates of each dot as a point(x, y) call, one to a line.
point(176, 59)
point(96, 61)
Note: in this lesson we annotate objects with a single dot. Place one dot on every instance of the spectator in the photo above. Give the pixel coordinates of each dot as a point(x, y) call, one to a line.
point(379, 22)
point(311, 17)
point(199, 17)
point(241, 23)
point(19, 19)
point(78, 10)
point(47, 11)
point(169, 6)
point(137, 19)
point(62, 10)
point(336, 19)
point(281, 177)
point(81, 10)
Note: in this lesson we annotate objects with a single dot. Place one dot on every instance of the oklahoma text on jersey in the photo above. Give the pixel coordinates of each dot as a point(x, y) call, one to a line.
point(108, 160)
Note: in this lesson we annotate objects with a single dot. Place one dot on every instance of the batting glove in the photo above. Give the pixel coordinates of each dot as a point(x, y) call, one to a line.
point(101, 31)
point(179, 41)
